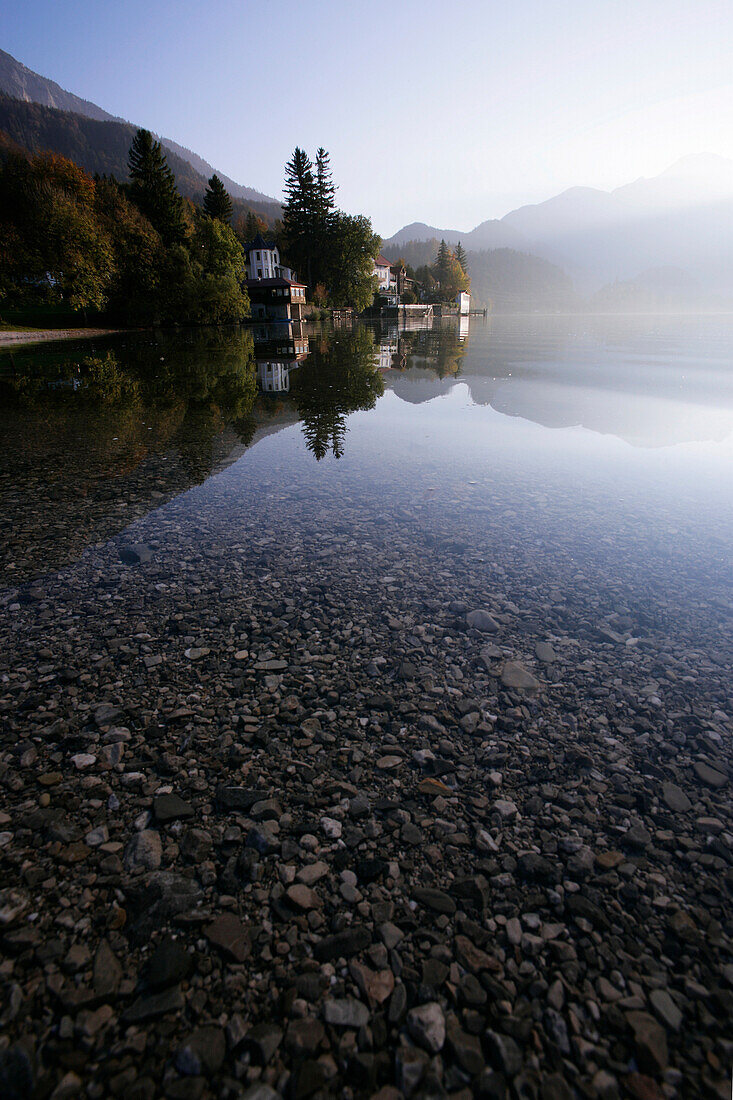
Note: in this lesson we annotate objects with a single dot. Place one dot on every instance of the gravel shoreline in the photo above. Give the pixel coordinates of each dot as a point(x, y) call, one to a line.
point(351, 806)
point(16, 338)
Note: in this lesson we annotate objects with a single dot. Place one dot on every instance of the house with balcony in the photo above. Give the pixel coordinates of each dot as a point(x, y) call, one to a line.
point(276, 299)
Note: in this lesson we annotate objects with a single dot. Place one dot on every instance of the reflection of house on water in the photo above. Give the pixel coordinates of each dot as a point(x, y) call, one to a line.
point(417, 341)
point(386, 347)
point(279, 349)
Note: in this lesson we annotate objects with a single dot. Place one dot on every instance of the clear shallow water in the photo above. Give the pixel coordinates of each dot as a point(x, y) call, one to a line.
point(571, 477)
point(609, 437)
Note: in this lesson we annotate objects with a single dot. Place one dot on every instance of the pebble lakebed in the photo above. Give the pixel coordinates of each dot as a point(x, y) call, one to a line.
point(307, 794)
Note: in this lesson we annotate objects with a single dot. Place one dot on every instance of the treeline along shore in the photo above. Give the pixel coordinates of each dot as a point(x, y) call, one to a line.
point(95, 250)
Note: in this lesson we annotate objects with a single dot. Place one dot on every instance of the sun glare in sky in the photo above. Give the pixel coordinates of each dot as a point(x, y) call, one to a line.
point(446, 114)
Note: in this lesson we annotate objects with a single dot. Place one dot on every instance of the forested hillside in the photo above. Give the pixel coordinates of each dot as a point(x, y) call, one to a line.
point(99, 146)
point(20, 82)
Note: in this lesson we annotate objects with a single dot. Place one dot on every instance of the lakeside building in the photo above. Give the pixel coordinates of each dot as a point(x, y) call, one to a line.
point(383, 273)
point(263, 261)
point(276, 299)
point(463, 301)
point(273, 288)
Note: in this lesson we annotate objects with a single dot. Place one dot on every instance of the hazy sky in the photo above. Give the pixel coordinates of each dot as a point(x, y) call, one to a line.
point(436, 112)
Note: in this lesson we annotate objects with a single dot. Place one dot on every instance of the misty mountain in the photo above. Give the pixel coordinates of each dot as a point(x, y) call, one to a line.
point(490, 234)
point(21, 83)
point(681, 219)
point(502, 279)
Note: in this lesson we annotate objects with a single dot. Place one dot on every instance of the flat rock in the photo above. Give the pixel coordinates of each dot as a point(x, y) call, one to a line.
point(426, 1025)
point(169, 964)
point(651, 1042)
point(302, 897)
point(229, 934)
point(171, 807)
point(482, 620)
point(136, 554)
point(389, 763)
point(152, 1005)
point(515, 676)
point(312, 873)
point(144, 849)
point(156, 898)
point(343, 944)
point(675, 798)
point(666, 1009)
point(709, 776)
point(345, 1012)
point(434, 899)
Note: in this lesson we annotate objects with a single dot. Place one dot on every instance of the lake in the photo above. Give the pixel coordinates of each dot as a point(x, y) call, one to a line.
point(423, 636)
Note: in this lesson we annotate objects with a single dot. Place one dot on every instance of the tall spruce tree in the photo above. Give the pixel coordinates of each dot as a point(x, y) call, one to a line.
point(324, 216)
point(443, 264)
point(325, 189)
point(462, 257)
point(153, 187)
point(217, 203)
point(299, 209)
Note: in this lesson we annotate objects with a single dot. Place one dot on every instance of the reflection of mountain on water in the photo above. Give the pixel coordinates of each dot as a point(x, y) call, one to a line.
point(651, 383)
point(418, 384)
point(641, 419)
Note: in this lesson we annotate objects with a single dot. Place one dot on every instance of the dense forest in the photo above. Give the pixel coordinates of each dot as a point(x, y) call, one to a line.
point(140, 252)
point(101, 147)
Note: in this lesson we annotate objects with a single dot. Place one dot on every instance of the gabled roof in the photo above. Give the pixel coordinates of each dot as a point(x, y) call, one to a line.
point(381, 262)
point(260, 243)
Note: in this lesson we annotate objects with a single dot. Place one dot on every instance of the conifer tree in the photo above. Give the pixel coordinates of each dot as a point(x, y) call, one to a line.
point(298, 211)
point(324, 215)
point(153, 187)
point(443, 264)
point(325, 189)
point(254, 224)
point(462, 258)
point(217, 203)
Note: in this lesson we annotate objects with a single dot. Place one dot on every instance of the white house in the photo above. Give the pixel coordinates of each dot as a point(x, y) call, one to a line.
point(263, 261)
point(463, 301)
point(274, 375)
point(383, 273)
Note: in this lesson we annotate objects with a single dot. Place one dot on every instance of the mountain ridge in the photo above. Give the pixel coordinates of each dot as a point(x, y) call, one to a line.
point(681, 218)
point(27, 86)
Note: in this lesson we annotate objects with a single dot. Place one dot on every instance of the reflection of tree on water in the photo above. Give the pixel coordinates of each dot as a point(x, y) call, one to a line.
point(94, 435)
point(150, 391)
point(183, 386)
point(334, 382)
point(440, 349)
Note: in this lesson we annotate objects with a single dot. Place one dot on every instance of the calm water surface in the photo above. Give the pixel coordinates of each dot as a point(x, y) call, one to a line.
point(594, 448)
